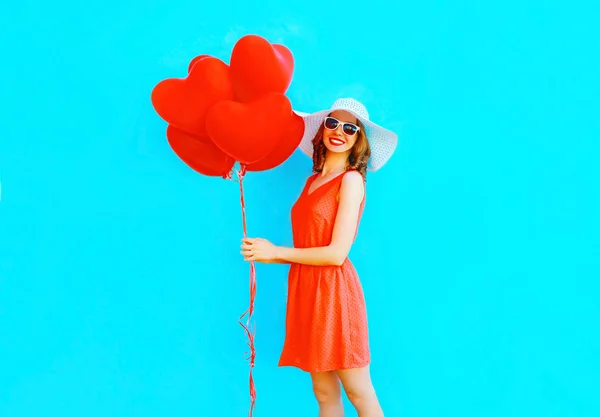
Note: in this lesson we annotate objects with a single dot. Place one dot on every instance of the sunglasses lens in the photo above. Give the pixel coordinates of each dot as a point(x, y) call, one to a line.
point(331, 123)
point(350, 129)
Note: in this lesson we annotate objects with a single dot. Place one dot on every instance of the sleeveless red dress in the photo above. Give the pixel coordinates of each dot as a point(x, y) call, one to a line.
point(326, 319)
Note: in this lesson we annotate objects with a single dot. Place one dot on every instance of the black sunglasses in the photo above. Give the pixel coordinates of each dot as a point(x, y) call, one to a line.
point(349, 129)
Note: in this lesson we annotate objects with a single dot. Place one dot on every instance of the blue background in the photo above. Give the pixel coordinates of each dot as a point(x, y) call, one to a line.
point(121, 281)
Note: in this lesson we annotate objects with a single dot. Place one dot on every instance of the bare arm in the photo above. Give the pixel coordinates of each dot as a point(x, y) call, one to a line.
point(351, 195)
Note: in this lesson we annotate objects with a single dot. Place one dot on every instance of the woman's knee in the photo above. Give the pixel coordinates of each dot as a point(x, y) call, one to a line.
point(360, 396)
point(358, 386)
point(326, 387)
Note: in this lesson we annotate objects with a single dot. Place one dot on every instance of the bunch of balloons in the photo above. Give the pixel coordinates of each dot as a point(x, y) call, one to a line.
point(219, 113)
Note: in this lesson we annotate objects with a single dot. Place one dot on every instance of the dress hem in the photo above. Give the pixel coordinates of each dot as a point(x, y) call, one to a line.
point(340, 367)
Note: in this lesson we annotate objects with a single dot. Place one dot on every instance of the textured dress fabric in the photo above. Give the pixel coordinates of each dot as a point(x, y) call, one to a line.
point(326, 319)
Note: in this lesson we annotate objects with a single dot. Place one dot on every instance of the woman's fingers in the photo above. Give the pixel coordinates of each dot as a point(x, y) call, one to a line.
point(248, 249)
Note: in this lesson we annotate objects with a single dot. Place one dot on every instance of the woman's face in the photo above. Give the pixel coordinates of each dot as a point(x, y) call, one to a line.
point(340, 139)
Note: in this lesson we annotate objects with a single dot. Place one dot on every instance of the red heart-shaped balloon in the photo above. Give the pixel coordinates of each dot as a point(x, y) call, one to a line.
point(199, 153)
point(248, 132)
point(259, 67)
point(287, 144)
point(183, 102)
point(196, 59)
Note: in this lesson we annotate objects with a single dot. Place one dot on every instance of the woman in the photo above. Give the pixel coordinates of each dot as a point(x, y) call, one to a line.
point(326, 323)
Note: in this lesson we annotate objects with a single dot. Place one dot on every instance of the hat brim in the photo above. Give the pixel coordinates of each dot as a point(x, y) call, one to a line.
point(383, 142)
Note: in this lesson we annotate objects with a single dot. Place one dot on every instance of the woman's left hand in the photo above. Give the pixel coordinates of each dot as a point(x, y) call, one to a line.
point(258, 250)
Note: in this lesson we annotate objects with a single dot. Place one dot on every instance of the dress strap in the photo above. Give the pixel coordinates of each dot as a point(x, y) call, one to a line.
point(308, 182)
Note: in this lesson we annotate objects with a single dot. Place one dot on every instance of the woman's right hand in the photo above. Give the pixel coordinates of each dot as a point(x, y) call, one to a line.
point(259, 250)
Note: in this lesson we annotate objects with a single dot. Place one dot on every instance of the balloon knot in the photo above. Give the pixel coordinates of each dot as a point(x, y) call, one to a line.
point(241, 172)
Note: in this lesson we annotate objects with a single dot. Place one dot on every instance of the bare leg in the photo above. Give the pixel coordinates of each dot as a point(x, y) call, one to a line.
point(326, 386)
point(359, 389)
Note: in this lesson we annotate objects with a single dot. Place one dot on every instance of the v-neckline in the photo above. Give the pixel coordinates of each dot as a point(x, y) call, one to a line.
point(310, 193)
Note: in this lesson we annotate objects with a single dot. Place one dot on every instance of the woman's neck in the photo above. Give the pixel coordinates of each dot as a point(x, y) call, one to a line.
point(334, 163)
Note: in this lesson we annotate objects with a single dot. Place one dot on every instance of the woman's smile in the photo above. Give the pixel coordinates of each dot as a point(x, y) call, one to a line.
point(335, 141)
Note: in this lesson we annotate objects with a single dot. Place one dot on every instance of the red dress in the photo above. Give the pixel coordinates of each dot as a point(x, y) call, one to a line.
point(326, 321)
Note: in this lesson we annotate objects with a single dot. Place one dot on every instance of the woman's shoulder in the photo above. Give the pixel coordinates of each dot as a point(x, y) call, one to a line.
point(311, 177)
point(353, 173)
point(353, 177)
point(353, 183)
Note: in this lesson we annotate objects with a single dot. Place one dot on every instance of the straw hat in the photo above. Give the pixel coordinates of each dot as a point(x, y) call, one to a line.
point(382, 141)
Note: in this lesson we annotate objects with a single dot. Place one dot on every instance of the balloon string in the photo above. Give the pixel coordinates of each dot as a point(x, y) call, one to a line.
point(248, 313)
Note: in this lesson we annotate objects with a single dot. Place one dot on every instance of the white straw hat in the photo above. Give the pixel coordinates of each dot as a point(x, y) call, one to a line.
point(382, 141)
